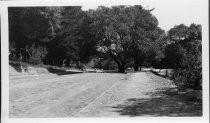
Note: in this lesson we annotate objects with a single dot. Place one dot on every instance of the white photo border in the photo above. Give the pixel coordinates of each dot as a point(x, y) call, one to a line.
point(31, 3)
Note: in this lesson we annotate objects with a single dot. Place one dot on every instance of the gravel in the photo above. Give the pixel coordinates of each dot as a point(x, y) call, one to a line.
point(80, 95)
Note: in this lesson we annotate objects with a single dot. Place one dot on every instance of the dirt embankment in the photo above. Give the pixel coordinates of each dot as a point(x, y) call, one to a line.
point(20, 68)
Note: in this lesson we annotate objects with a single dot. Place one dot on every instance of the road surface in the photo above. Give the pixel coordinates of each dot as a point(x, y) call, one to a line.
point(97, 95)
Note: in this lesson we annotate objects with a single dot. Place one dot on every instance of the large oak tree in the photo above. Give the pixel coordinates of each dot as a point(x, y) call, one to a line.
point(126, 33)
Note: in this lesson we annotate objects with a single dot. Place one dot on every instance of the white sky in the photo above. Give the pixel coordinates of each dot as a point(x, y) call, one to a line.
point(168, 12)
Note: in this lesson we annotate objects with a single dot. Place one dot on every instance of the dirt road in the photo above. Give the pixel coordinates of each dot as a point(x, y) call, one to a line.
point(97, 95)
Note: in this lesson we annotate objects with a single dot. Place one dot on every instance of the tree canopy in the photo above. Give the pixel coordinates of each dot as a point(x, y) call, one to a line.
point(126, 33)
point(113, 37)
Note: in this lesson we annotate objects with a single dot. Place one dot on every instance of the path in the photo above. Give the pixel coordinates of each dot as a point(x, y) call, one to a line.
point(97, 95)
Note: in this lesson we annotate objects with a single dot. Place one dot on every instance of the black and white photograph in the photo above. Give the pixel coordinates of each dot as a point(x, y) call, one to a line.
point(106, 60)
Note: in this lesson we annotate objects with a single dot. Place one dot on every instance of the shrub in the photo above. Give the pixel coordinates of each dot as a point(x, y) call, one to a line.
point(185, 55)
point(80, 65)
point(37, 53)
point(35, 61)
point(188, 78)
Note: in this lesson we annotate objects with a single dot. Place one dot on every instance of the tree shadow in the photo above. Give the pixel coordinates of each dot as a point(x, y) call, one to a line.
point(61, 71)
point(114, 71)
point(127, 71)
point(110, 71)
point(167, 102)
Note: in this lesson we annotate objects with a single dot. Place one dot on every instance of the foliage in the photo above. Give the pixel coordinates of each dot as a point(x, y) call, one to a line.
point(27, 27)
point(65, 33)
point(36, 53)
point(74, 41)
point(174, 56)
point(118, 36)
point(188, 78)
point(112, 28)
point(125, 33)
point(64, 45)
point(184, 55)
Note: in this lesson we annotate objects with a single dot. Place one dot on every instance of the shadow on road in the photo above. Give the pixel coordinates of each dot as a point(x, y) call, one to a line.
point(167, 102)
point(62, 72)
point(158, 74)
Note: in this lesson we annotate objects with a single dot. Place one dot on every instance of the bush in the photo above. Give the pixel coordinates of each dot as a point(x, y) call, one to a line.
point(35, 61)
point(188, 78)
point(184, 54)
point(174, 55)
point(108, 64)
point(80, 66)
point(37, 53)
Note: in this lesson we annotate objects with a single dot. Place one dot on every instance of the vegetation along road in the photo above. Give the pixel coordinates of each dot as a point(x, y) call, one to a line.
point(99, 95)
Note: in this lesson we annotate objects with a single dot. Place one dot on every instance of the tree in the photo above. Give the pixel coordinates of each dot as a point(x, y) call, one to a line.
point(112, 27)
point(74, 41)
point(156, 54)
point(178, 33)
point(28, 26)
point(143, 35)
point(184, 55)
point(183, 41)
point(124, 32)
point(36, 53)
point(174, 55)
point(146, 46)
point(64, 32)
point(87, 44)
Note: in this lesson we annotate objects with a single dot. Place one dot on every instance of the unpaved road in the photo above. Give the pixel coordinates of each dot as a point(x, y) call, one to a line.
point(96, 95)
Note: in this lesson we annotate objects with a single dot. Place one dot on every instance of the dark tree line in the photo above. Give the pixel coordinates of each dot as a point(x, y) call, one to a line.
point(122, 36)
point(54, 35)
point(50, 35)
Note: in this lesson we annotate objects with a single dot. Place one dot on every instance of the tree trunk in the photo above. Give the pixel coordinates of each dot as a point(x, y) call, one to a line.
point(136, 68)
point(121, 69)
point(140, 67)
point(120, 64)
point(136, 65)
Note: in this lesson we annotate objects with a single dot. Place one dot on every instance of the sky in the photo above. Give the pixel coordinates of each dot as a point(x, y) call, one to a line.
point(168, 12)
